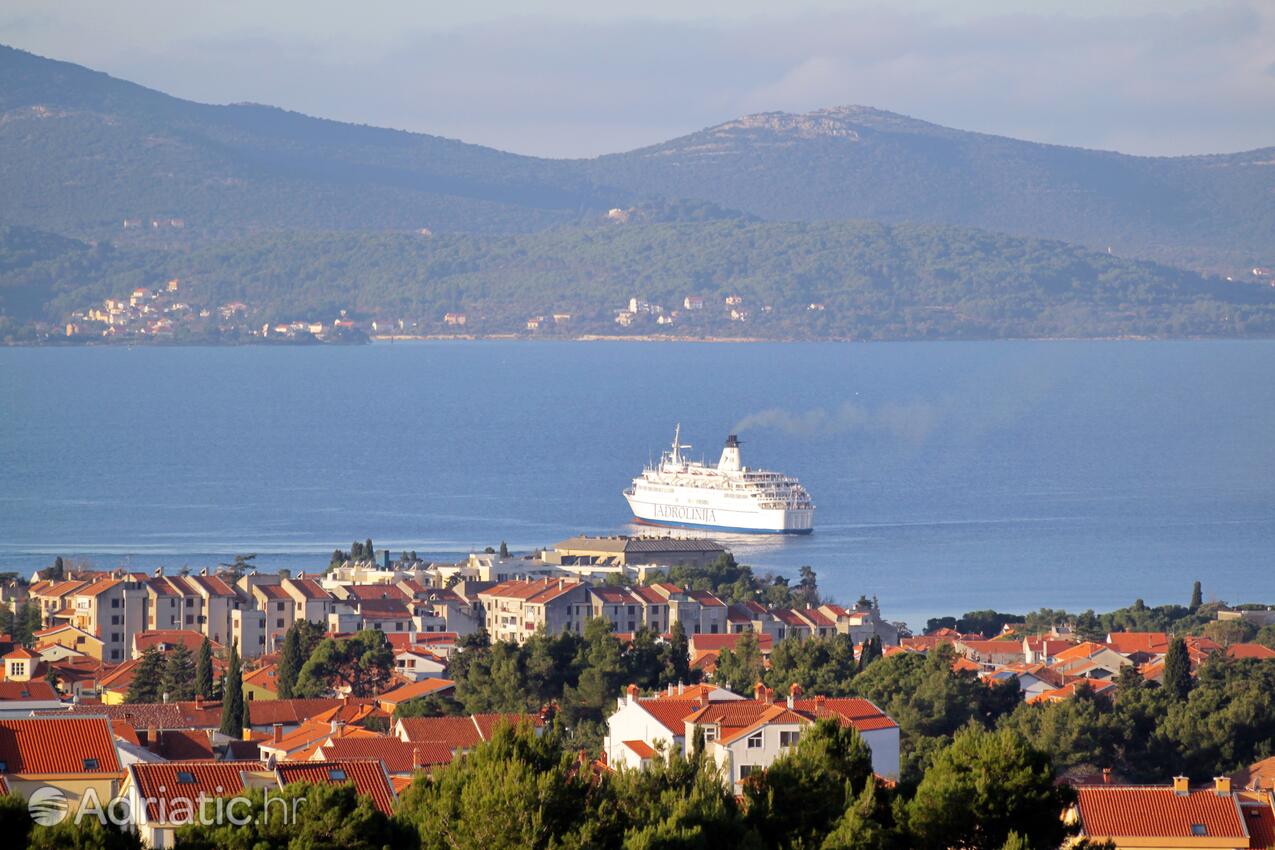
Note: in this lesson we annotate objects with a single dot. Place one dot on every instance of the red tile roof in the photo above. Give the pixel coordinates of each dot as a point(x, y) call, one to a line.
point(716, 643)
point(309, 588)
point(44, 745)
point(20, 654)
point(642, 748)
point(368, 777)
point(1260, 820)
point(1126, 643)
point(272, 591)
point(36, 689)
point(1258, 776)
point(367, 592)
point(170, 638)
point(1157, 812)
point(164, 791)
point(413, 690)
point(398, 756)
point(458, 733)
point(1250, 650)
point(672, 712)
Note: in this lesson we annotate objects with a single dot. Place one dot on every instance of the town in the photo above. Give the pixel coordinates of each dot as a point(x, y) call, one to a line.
point(617, 668)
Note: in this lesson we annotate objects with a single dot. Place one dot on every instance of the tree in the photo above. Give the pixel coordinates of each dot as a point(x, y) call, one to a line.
point(179, 675)
point(860, 827)
point(328, 816)
point(204, 671)
point(35, 620)
point(741, 668)
point(148, 678)
point(299, 642)
point(870, 652)
point(232, 697)
point(799, 798)
point(15, 819)
point(1197, 597)
point(504, 549)
point(984, 786)
point(361, 663)
point(1177, 670)
point(88, 834)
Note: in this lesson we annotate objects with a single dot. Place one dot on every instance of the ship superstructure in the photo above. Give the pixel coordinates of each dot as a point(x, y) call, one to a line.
point(727, 497)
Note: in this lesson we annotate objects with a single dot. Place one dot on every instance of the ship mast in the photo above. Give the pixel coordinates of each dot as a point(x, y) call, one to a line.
point(676, 457)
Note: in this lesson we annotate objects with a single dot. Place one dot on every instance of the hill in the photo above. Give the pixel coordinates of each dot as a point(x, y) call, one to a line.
point(81, 152)
point(792, 280)
point(1206, 212)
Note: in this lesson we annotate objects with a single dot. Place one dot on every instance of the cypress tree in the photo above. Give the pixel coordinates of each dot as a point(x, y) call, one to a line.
point(504, 549)
point(204, 671)
point(1177, 671)
point(1197, 597)
point(291, 658)
point(232, 697)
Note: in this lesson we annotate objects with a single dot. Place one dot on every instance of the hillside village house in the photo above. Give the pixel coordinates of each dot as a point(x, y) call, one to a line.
point(73, 754)
point(1173, 817)
point(740, 735)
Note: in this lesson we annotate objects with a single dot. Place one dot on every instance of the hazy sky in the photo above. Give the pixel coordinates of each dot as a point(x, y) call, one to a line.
point(576, 78)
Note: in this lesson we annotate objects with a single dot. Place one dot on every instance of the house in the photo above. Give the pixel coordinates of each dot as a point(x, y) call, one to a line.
point(166, 640)
point(454, 319)
point(19, 699)
point(642, 726)
point(1161, 816)
point(368, 778)
point(1146, 645)
point(1044, 649)
point(991, 653)
point(401, 758)
point(164, 796)
point(1091, 660)
point(1259, 776)
point(67, 635)
point(262, 683)
point(74, 754)
point(743, 736)
point(515, 609)
point(693, 302)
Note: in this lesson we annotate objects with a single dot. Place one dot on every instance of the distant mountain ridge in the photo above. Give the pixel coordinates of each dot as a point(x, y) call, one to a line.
point(1208, 212)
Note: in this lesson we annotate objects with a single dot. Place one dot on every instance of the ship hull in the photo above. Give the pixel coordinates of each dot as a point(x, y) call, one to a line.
point(673, 515)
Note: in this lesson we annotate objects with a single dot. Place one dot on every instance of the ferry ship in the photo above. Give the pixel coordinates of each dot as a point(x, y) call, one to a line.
point(727, 497)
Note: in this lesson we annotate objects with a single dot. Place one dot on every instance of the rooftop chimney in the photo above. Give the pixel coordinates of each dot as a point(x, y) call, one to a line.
point(152, 738)
point(793, 692)
point(199, 701)
point(681, 689)
point(759, 691)
point(1181, 786)
point(1106, 776)
point(1222, 786)
point(247, 733)
point(632, 691)
point(417, 759)
point(276, 733)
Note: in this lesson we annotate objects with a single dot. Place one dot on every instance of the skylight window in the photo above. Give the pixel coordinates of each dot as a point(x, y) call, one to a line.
point(185, 777)
point(336, 774)
point(4, 767)
point(90, 764)
point(1199, 829)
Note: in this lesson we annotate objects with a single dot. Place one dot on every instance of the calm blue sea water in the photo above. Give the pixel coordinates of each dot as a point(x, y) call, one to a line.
point(948, 476)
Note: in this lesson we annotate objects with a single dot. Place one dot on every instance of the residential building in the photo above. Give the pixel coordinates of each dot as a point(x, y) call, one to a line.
point(76, 755)
point(1168, 817)
point(515, 609)
point(623, 550)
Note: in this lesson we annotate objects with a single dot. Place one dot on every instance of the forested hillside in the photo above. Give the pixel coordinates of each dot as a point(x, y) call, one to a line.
point(1206, 212)
point(842, 280)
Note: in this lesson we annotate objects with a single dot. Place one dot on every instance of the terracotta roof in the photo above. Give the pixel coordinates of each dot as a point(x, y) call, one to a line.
point(789, 618)
point(383, 609)
point(1152, 643)
point(650, 594)
point(272, 591)
point(1259, 818)
point(1068, 690)
point(309, 588)
point(706, 599)
point(397, 755)
point(182, 744)
point(862, 714)
point(642, 748)
point(42, 745)
point(21, 653)
point(169, 638)
point(1157, 812)
point(36, 689)
point(672, 713)
point(368, 777)
point(263, 677)
point(1249, 650)
point(367, 592)
point(97, 587)
point(416, 689)
point(1259, 775)
point(287, 711)
point(163, 785)
point(487, 723)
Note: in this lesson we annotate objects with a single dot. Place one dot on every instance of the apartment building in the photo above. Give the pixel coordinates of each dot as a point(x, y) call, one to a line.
point(514, 610)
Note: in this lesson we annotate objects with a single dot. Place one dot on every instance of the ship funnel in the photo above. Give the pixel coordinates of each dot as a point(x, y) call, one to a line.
point(730, 455)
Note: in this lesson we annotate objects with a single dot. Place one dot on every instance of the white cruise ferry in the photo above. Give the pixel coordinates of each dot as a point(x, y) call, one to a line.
point(726, 497)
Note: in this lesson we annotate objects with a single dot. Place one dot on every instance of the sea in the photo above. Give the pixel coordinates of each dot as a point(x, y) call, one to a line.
point(948, 476)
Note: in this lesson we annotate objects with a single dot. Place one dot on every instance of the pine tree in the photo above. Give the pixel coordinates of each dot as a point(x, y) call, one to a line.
point(148, 676)
point(232, 697)
point(1177, 670)
point(35, 621)
point(1197, 597)
point(204, 671)
point(179, 675)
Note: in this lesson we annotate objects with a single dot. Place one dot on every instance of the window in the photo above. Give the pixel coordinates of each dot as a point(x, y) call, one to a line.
point(19, 668)
point(788, 739)
point(398, 626)
point(190, 619)
point(710, 734)
point(713, 628)
point(278, 623)
point(185, 777)
point(336, 774)
point(116, 637)
point(115, 603)
point(1199, 829)
point(115, 653)
point(278, 606)
point(90, 764)
point(4, 767)
point(115, 619)
point(746, 770)
point(754, 741)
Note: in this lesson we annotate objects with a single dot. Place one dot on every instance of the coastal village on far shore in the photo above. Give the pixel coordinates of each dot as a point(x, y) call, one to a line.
point(90, 654)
